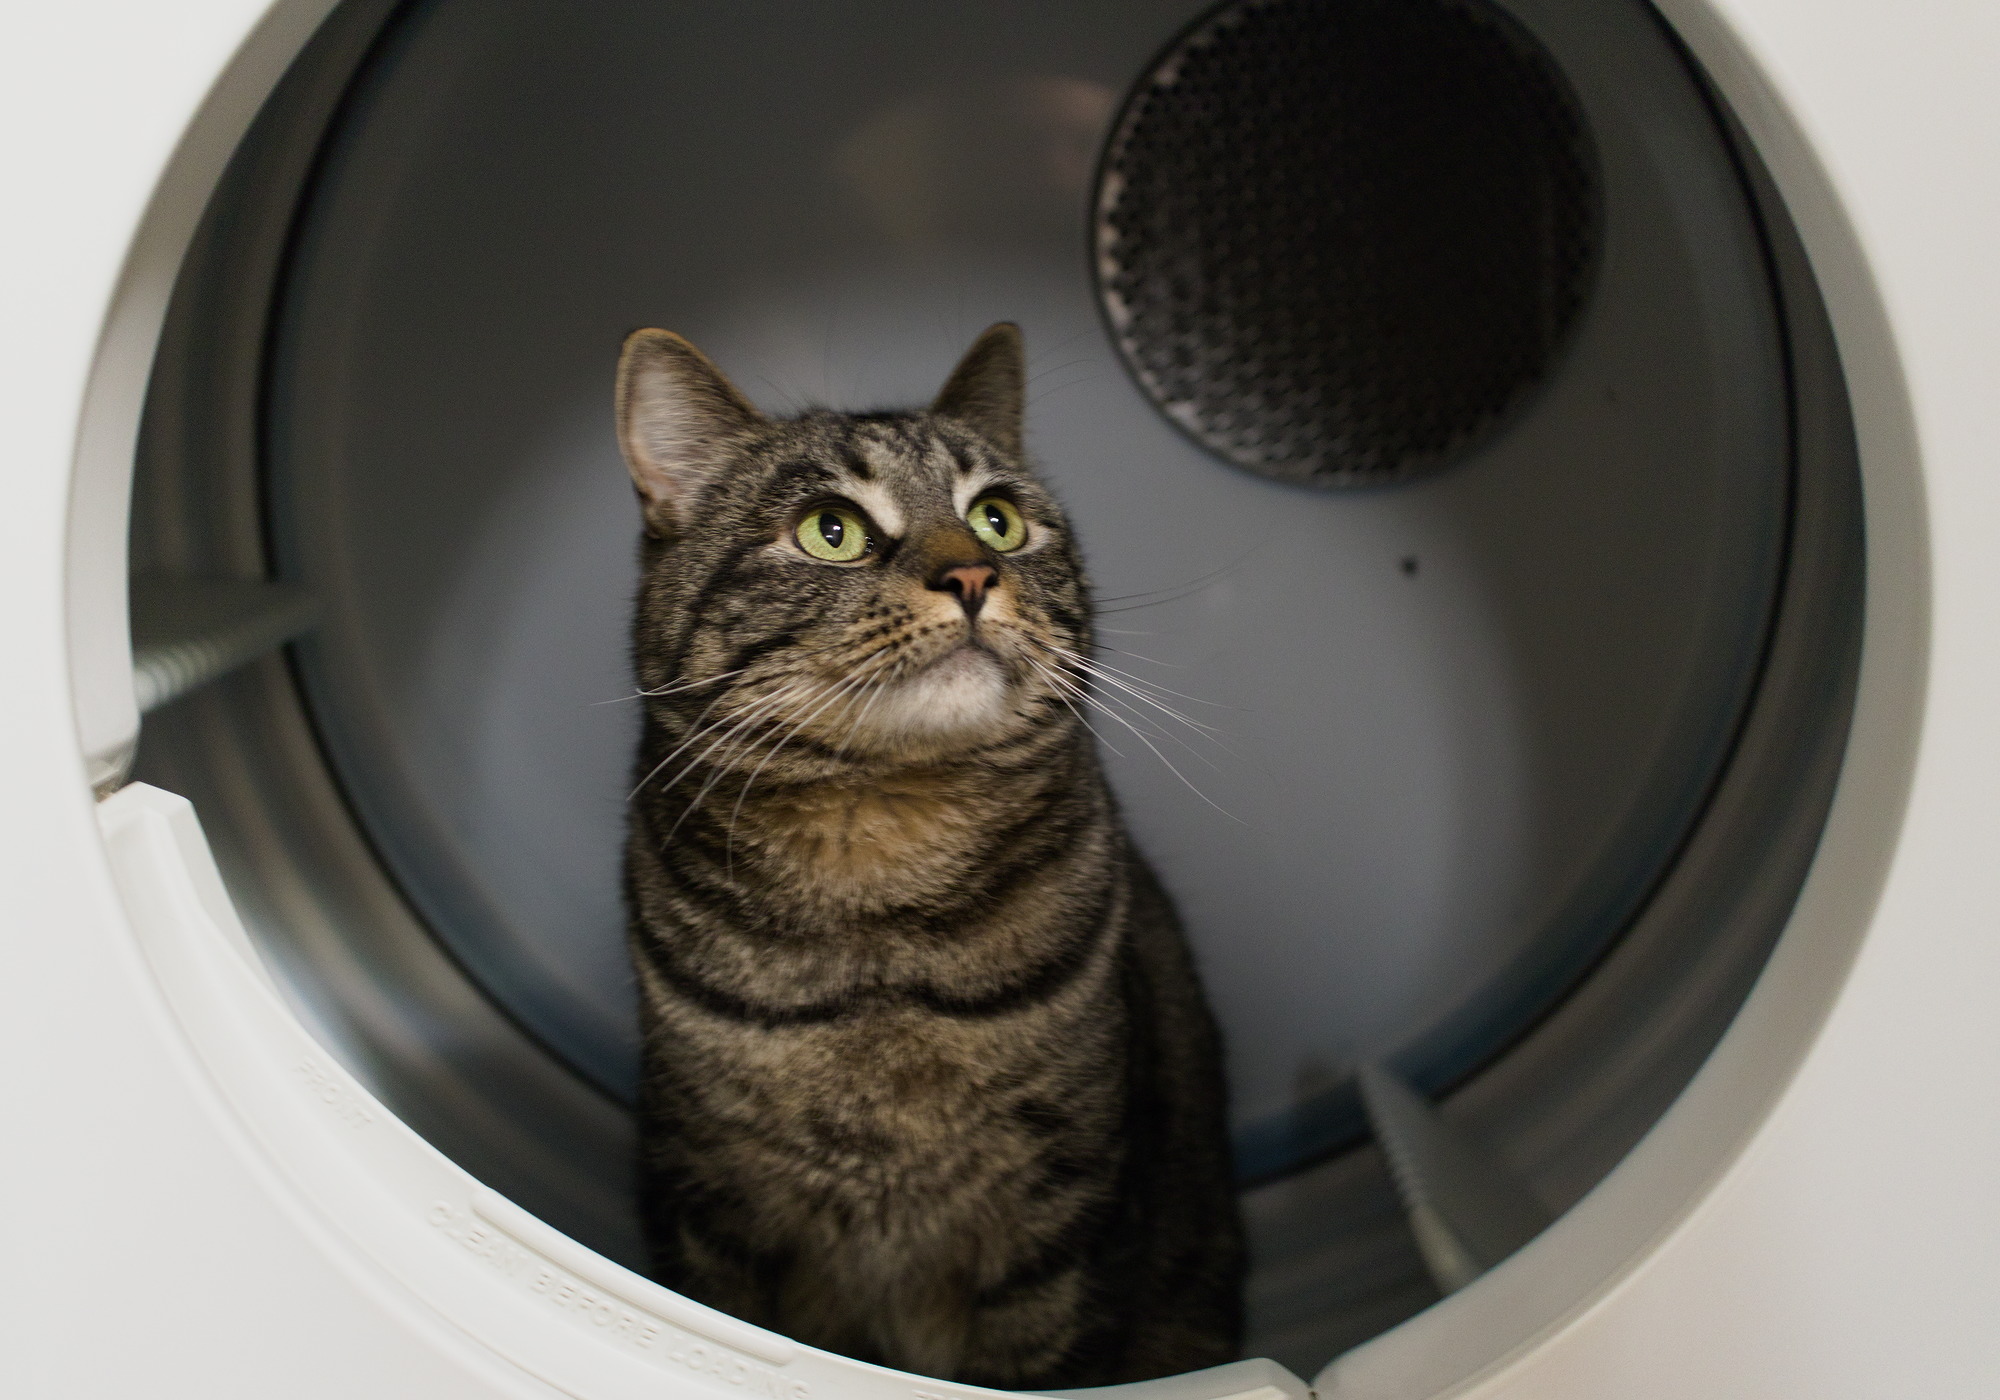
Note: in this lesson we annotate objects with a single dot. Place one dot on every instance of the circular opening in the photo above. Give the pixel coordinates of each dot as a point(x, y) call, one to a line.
point(1519, 764)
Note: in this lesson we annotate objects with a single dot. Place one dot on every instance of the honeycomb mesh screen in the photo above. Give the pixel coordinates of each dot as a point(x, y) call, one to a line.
point(1337, 241)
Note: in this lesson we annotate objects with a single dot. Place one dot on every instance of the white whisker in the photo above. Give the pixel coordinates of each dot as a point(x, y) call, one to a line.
point(1141, 680)
point(1173, 593)
point(1207, 731)
point(874, 693)
point(737, 811)
point(1150, 660)
point(1139, 734)
point(1058, 681)
point(1158, 731)
point(722, 766)
point(696, 730)
point(736, 723)
point(1139, 694)
point(672, 689)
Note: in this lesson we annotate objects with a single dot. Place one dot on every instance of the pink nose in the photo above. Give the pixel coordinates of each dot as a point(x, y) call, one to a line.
point(969, 582)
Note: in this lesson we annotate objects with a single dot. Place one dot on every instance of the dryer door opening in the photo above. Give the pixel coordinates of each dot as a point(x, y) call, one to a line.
point(1510, 768)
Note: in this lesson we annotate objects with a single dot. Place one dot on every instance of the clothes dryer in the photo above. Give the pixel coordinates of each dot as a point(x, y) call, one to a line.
point(1603, 948)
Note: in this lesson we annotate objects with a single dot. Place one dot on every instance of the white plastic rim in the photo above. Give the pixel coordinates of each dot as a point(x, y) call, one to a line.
point(1814, 1216)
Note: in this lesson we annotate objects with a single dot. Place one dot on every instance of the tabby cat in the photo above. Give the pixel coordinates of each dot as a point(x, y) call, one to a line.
point(928, 1078)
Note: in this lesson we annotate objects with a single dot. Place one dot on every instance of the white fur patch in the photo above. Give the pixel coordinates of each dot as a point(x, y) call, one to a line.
point(878, 501)
point(967, 490)
point(965, 693)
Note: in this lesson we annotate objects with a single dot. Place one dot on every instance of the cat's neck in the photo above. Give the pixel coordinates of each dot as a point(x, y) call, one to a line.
point(872, 838)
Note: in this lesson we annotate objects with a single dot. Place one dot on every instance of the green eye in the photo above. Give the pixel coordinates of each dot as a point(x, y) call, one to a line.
point(835, 534)
point(997, 522)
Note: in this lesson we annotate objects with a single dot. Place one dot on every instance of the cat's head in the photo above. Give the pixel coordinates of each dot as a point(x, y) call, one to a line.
point(887, 586)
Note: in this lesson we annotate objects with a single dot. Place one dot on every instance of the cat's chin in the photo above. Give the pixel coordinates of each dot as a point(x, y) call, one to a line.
point(962, 699)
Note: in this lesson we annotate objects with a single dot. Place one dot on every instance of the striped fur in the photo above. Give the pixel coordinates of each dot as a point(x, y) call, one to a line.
point(928, 1077)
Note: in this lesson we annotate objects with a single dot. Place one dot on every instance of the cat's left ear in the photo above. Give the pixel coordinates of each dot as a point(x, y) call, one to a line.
point(989, 388)
point(676, 411)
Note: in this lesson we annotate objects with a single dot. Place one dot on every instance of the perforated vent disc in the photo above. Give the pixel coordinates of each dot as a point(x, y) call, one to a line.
point(1338, 241)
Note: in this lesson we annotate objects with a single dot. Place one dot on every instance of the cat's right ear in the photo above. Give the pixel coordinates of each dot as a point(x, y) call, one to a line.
point(676, 412)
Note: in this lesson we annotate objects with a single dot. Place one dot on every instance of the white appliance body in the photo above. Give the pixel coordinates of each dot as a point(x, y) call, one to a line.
point(197, 1201)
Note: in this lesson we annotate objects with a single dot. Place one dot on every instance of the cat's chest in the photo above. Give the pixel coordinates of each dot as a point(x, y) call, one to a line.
point(918, 1105)
point(885, 1062)
point(876, 845)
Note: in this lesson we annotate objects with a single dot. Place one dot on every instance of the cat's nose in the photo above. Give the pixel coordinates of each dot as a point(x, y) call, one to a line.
point(969, 581)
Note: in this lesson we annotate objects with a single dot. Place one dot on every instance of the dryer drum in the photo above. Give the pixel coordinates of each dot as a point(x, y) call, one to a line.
point(1504, 777)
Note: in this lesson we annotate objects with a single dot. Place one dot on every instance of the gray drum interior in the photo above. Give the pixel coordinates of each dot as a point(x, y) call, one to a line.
point(1432, 794)
point(1516, 767)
